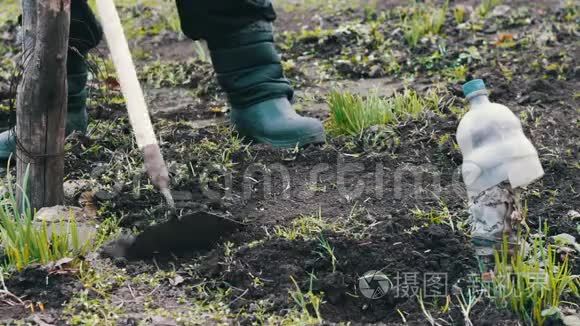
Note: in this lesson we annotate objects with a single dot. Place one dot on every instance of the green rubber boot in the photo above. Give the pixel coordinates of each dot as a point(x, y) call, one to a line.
point(7, 144)
point(85, 34)
point(77, 117)
point(249, 69)
point(275, 122)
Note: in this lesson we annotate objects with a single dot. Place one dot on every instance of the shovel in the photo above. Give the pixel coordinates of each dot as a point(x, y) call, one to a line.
point(189, 232)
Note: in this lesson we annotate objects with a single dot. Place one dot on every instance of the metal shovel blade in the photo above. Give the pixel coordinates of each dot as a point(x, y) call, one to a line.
point(191, 232)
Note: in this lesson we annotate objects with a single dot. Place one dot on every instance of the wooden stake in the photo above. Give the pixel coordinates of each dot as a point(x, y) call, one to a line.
point(42, 101)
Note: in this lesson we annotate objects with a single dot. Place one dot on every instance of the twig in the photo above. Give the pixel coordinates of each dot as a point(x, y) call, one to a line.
point(4, 290)
point(131, 291)
point(238, 297)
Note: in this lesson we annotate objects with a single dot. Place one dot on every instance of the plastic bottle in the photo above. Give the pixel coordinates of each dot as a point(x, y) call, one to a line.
point(493, 144)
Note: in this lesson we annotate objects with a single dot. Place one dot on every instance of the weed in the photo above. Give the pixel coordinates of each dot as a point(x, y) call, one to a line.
point(202, 51)
point(533, 287)
point(570, 11)
point(456, 74)
point(507, 73)
point(401, 313)
point(414, 29)
point(10, 10)
point(458, 111)
point(422, 21)
point(433, 216)
point(84, 309)
point(352, 114)
point(466, 304)
point(93, 305)
point(305, 227)
point(26, 242)
point(316, 188)
point(426, 312)
point(459, 14)
point(305, 301)
point(327, 251)
point(148, 18)
point(304, 36)
point(220, 151)
point(486, 6)
point(166, 74)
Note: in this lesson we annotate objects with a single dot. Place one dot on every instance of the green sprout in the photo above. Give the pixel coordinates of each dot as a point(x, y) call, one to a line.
point(26, 242)
point(532, 287)
point(351, 114)
point(327, 251)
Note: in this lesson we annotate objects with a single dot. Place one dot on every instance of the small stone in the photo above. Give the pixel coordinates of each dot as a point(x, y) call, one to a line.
point(58, 213)
point(105, 195)
point(572, 320)
point(98, 171)
point(118, 248)
point(43, 320)
point(572, 214)
point(53, 216)
point(74, 187)
point(376, 71)
point(500, 10)
point(162, 321)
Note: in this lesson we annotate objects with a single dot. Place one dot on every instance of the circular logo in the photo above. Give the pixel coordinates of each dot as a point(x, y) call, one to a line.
point(374, 285)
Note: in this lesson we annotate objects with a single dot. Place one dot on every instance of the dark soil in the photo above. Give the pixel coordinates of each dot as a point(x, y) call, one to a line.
point(447, 252)
point(37, 285)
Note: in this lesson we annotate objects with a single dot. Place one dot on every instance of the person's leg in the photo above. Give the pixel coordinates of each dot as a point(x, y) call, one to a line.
point(85, 34)
point(240, 38)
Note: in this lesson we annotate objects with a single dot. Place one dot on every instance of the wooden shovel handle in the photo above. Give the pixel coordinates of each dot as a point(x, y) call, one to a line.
point(136, 105)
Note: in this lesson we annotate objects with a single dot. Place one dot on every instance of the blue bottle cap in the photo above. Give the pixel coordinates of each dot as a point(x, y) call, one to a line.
point(472, 86)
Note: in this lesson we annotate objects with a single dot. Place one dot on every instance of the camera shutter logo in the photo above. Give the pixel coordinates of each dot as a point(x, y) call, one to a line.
point(374, 284)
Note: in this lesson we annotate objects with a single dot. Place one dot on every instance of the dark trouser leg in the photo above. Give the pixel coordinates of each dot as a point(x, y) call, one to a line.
point(240, 38)
point(85, 34)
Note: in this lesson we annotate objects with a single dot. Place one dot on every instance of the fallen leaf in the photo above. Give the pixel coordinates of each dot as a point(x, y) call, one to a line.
point(62, 262)
point(112, 83)
point(505, 39)
point(222, 109)
point(88, 202)
point(487, 276)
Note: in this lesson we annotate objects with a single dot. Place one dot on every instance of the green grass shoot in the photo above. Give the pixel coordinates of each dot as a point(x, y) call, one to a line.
point(25, 242)
point(351, 114)
point(422, 21)
point(486, 6)
point(533, 287)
